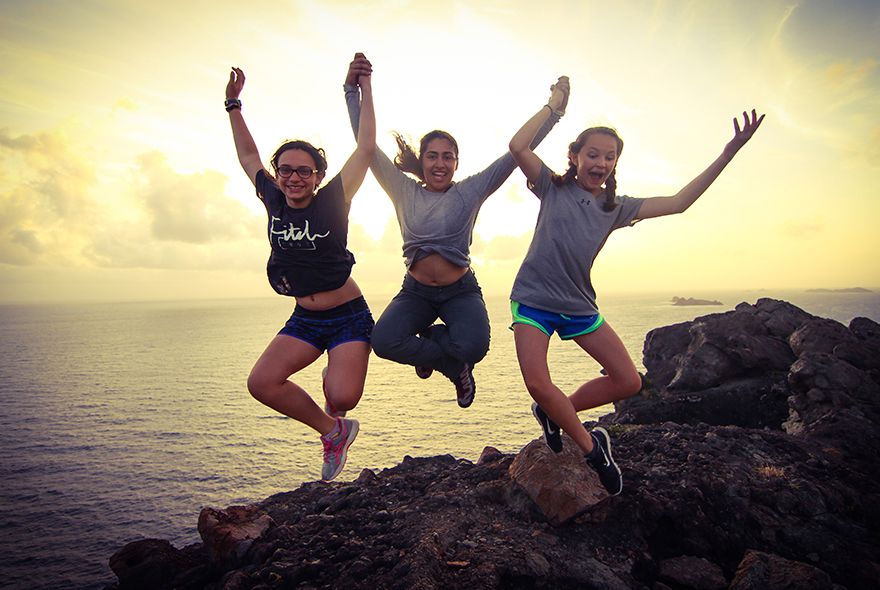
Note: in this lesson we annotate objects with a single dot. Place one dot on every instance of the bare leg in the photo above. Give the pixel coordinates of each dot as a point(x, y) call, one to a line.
point(269, 383)
point(531, 351)
point(622, 379)
point(346, 374)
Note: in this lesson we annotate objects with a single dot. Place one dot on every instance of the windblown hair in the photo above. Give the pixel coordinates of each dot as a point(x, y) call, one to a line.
point(317, 154)
point(407, 160)
point(571, 173)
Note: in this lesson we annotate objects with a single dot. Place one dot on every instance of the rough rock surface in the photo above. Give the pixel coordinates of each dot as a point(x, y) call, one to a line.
point(779, 490)
point(560, 484)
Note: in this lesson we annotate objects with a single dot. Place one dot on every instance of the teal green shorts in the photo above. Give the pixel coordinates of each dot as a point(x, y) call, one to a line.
point(568, 326)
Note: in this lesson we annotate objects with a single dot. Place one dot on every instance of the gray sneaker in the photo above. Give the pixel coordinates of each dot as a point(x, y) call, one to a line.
point(336, 445)
point(328, 407)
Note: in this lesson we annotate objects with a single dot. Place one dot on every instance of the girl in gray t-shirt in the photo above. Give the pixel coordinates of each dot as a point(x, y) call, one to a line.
point(553, 290)
point(436, 217)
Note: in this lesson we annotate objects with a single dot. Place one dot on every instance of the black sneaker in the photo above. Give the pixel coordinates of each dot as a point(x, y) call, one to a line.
point(465, 386)
point(551, 430)
point(602, 461)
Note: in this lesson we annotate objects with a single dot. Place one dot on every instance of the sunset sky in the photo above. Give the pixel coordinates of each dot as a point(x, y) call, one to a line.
point(119, 181)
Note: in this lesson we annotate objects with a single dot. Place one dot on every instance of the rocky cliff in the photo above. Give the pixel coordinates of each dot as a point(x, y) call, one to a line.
point(749, 462)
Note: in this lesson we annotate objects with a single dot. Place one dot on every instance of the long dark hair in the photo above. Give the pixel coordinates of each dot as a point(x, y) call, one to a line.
point(407, 160)
point(317, 154)
point(575, 147)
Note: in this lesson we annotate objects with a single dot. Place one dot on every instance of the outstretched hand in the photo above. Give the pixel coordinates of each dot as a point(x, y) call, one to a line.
point(359, 69)
point(559, 94)
point(744, 134)
point(235, 84)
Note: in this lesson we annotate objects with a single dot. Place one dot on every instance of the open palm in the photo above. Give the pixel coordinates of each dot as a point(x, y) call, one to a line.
point(743, 134)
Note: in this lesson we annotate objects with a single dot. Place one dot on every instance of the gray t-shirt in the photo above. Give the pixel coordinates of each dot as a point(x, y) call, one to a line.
point(572, 227)
point(437, 223)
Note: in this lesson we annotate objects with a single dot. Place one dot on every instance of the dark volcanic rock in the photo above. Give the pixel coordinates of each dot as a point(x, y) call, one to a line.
point(765, 476)
point(760, 571)
point(727, 368)
point(693, 573)
point(712, 349)
point(155, 563)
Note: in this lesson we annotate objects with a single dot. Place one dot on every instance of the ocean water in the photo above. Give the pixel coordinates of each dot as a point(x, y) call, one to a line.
point(121, 421)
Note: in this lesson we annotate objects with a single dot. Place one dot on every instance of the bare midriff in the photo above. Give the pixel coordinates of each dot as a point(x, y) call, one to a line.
point(435, 271)
point(330, 299)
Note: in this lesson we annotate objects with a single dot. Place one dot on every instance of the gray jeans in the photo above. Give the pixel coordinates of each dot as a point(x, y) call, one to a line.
point(462, 338)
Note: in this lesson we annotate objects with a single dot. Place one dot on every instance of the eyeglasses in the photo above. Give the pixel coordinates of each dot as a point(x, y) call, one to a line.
point(303, 172)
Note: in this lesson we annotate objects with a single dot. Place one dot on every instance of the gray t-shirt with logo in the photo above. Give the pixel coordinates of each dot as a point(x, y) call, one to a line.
point(572, 227)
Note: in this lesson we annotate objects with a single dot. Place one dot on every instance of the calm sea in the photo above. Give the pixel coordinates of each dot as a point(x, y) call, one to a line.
point(120, 421)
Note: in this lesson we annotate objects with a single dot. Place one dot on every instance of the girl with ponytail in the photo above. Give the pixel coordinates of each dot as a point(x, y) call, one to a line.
point(436, 216)
point(553, 292)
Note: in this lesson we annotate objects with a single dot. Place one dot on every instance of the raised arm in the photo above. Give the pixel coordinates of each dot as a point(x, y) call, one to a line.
point(521, 143)
point(355, 169)
point(392, 180)
point(248, 156)
point(678, 203)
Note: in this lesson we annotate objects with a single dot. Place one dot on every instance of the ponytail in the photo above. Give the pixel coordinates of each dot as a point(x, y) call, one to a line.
point(406, 159)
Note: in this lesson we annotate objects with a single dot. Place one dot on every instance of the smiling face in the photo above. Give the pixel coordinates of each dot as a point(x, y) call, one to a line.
point(439, 162)
point(298, 191)
point(595, 161)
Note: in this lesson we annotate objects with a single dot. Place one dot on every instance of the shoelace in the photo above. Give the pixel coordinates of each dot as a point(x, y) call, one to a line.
point(329, 450)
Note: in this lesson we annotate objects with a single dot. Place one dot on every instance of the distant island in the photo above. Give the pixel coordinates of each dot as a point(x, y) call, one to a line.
point(692, 301)
point(847, 290)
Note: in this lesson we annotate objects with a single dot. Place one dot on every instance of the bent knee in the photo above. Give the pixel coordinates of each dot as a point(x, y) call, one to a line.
point(259, 386)
point(628, 384)
point(540, 389)
point(384, 341)
point(345, 401)
point(471, 351)
point(383, 348)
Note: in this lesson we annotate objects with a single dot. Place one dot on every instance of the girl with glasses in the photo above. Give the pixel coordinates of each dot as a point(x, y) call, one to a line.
point(553, 292)
point(309, 261)
point(436, 216)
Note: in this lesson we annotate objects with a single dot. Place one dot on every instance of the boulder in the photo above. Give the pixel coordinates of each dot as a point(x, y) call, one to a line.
point(562, 485)
point(692, 573)
point(765, 571)
point(230, 532)
point(155, 563)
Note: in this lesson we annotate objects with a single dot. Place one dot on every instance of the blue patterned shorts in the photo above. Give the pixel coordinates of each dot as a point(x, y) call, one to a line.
point(349, 322)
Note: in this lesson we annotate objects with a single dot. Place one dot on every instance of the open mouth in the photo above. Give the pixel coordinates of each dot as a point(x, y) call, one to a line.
point(596, 177)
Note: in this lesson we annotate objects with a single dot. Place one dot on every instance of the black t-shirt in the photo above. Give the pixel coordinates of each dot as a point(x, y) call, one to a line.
point(309, 253)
